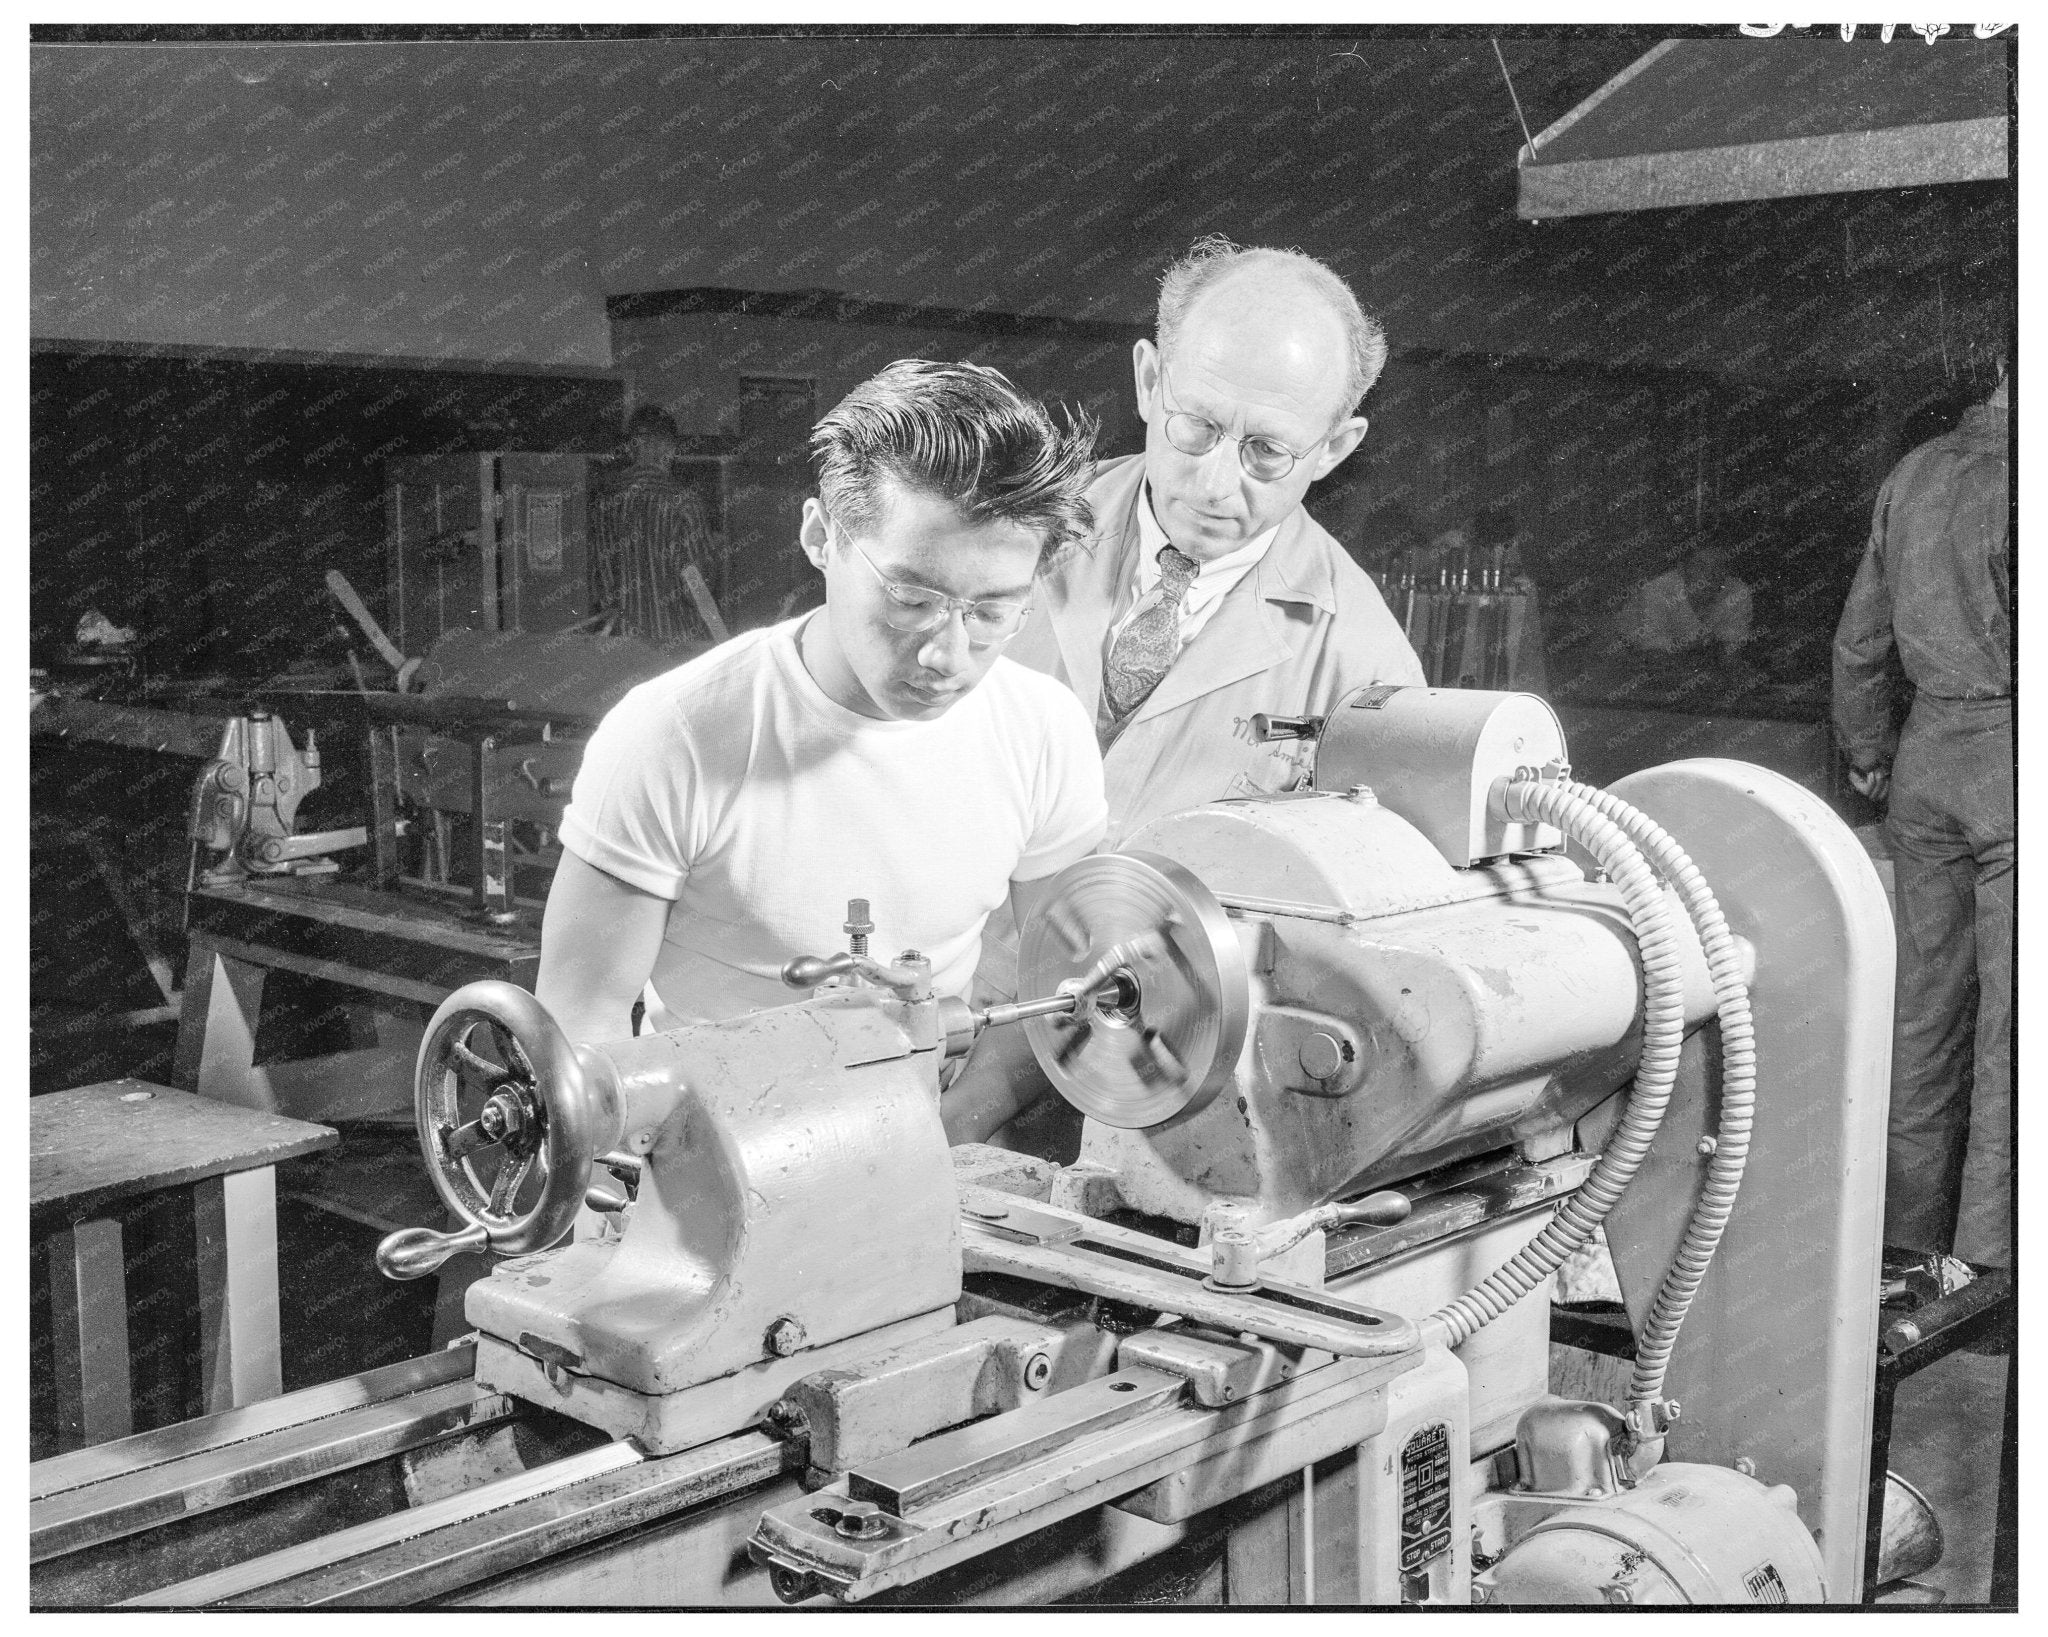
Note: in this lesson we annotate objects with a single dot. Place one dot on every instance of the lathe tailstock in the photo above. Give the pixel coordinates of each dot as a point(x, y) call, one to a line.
point(1362, 1068)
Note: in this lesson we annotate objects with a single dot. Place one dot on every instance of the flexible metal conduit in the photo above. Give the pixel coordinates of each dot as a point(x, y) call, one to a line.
point(1626, 841)
point(1546, 802)
point(1716, 1203)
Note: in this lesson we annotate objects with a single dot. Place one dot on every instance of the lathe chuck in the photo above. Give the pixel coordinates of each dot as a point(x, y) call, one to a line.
point(1161, 1032)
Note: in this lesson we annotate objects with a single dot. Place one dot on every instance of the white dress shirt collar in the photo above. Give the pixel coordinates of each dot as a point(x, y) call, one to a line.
point(1213, 579)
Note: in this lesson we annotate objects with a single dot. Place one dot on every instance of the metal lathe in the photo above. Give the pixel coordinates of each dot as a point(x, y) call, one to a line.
point(1362, 1067)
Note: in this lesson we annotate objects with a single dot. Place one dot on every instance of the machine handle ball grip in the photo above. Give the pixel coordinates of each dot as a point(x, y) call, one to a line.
point(1383, 1209)
point(808, 971)
point(412, 1253)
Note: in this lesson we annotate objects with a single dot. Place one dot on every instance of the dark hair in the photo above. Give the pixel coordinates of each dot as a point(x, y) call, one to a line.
point(961, 432)
point(1213, 258)
point(651, 420)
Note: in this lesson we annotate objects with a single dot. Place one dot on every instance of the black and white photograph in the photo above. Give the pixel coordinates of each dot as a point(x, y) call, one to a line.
point(1072, 815)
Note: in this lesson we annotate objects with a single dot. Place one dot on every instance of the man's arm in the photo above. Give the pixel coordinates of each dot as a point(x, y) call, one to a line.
point(1733, 618)
point(604, 576)
point(1862, 670)
point(598, 943)
point(698, 545)
point(1027, 896)
point(680, 540)
point(1650, 621)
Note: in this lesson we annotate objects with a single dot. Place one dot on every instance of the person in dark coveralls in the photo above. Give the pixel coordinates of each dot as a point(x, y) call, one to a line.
point(645, 529)
point(1935, 589)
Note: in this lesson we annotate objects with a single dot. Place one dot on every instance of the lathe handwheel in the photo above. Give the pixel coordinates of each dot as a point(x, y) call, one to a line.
point(1164, 1035)
point(496, 1075)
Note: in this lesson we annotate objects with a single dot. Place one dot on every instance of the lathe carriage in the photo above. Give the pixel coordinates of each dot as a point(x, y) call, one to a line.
point(1361, 1068)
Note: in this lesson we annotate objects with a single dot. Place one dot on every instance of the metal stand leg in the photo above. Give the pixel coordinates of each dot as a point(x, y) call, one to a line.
point(215, 1055)
point(2005, 1545)
point(1307, 1543)
point(237, 1252)
point(380, 768)
point(89, 1310)
point(1910, 1343)
point(1266, 1558)
point(138, 924)
point(492, 889)
point(1888, 1376)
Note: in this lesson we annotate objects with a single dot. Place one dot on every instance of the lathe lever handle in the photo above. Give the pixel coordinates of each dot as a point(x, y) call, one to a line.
point(808, 971)
point(412, 1253)
point(1381, 1209)
point(543, 786)
point(907, 982)
point(1266, 729)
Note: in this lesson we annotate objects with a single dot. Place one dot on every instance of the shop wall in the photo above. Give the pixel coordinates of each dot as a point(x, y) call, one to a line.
point(352, 199)
point(202, 500)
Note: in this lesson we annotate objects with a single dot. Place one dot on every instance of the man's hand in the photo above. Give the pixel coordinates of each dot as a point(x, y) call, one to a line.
point(1873, 783)
point(1000, 1079)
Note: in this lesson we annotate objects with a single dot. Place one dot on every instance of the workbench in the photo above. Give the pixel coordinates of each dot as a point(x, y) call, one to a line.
point(95, 1149)
point(402, 953)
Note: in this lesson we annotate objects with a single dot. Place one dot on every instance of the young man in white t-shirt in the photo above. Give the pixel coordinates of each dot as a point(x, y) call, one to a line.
point(879, 747)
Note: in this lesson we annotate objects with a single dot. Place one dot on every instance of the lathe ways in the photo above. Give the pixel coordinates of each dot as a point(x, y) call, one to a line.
point(1002, 1233)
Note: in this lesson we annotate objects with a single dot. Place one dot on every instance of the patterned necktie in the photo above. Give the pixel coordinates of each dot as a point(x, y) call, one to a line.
point(1141, 656)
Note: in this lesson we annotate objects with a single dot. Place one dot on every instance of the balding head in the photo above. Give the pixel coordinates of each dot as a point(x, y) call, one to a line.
point(1248, 394)
point(1283, 297)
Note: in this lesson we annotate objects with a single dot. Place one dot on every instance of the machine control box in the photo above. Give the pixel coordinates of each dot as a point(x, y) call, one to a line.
point(1432, 755)
point(1425, 1507)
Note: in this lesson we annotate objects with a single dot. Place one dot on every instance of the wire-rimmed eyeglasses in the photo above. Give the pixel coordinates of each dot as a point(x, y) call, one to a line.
point(917, 608)
point(1267, 459)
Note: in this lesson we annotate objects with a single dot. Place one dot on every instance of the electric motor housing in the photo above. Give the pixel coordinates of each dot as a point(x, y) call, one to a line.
point(1686, 1534)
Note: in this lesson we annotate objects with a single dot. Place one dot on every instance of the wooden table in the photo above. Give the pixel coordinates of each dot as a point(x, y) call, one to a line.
point(393, 950)
point(95, 1147)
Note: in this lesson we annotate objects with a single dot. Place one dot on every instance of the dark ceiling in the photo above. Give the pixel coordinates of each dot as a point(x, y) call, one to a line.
point(1036, 172)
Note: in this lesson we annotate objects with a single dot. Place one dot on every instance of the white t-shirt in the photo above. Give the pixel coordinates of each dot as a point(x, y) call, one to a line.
point(735, 788)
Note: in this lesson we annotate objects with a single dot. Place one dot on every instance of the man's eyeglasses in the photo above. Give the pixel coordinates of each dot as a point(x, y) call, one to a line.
point(919, 608)
point(1267, 459)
